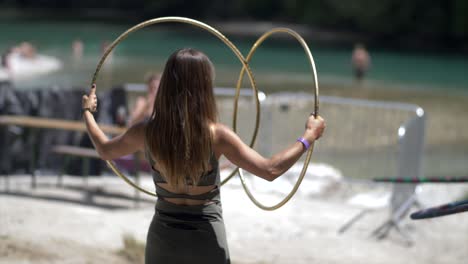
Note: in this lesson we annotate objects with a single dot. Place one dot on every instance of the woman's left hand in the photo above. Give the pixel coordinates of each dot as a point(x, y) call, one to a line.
point(89, 101)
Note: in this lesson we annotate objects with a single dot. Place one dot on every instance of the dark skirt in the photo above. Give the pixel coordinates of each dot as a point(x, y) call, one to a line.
point(187, 234)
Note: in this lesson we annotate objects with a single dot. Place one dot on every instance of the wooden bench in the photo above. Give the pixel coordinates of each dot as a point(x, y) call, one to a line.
point(37, 123)
point(86, 154)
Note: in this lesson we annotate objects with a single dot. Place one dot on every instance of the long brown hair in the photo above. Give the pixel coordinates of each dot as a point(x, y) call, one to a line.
point(178, 133)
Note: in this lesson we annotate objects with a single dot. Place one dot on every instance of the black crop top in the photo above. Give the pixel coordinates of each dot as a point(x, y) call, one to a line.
point(210, 178)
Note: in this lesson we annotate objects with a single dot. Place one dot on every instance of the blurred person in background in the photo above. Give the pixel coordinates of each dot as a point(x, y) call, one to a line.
point(27, 50)
point(5, 59)
point(77, 49)
point(141, 111)
point(360, 62)
point(5, 65)
point(24, 50)
point(144, 105)
point(104, 46)
point(183, 142)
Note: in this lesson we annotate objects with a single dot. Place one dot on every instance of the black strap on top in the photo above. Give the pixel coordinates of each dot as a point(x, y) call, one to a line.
point(210, 178)
point(212, 195)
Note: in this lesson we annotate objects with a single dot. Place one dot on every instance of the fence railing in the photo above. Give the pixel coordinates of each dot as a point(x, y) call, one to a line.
point(364, 139)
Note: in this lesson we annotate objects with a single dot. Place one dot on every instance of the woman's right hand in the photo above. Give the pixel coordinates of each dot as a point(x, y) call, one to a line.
point(89, 101)
point(314, 128)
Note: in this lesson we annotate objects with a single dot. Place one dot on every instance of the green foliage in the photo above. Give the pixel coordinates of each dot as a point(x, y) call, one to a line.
point(437, 19)
point(458, 19)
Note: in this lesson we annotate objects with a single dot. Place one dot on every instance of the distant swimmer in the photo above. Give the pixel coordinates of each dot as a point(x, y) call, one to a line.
point(104, 46)
point(361, 61)
point(27, 50)
point(77, 48)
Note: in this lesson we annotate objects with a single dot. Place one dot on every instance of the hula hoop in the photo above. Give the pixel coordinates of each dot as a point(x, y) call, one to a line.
point(245, 67)
point(445, 209)
point(316, 109)
point(198, 24)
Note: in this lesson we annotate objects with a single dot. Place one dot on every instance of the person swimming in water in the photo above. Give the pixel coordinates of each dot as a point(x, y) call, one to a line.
point(360, 62)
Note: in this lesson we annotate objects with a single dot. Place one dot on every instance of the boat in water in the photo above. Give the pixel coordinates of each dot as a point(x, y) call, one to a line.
point(20, 67)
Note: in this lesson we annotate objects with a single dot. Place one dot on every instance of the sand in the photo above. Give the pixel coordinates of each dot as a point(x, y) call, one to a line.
point(51, 225)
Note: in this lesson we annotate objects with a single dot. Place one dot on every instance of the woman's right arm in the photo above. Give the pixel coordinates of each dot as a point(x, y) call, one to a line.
point(129, 142)
point(240, 154)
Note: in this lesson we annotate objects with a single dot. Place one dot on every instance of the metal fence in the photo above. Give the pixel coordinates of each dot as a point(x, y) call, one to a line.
point(364, 139)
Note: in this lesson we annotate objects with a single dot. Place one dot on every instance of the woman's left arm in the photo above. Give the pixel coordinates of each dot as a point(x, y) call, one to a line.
point(129, 142)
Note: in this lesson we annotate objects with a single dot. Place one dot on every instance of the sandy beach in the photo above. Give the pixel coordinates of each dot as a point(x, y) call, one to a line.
point(53, 225)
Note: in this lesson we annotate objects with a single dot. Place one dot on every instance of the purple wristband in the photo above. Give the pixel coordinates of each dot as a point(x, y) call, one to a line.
point(304, 142)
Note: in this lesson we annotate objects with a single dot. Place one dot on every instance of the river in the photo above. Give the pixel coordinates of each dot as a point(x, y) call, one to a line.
point(147, 50)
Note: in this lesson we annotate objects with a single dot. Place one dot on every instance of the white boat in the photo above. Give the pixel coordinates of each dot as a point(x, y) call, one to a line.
point(21, 67)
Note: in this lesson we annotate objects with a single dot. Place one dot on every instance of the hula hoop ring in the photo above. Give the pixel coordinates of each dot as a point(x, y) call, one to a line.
point(198, 24)
point(245, 68)
point(316, 110)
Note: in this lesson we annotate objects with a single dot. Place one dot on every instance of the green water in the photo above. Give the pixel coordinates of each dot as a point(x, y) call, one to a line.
point(279, 63)
point(146, 50)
